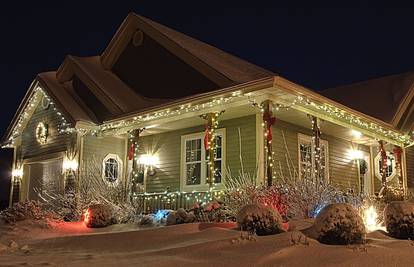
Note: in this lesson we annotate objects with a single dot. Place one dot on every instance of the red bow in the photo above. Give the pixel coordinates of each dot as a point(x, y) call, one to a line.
point(206, 139)
point(270, 121)
point(131, 152)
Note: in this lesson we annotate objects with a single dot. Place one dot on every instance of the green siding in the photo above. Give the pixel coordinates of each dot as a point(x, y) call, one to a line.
point(56, 142)
point(95, 149)
point(342, 170)
point(167, 146)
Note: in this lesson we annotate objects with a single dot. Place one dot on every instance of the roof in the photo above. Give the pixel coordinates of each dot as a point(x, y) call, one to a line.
point(88, 89)
point(235, 69)
point(389, 93)
point(120, 98)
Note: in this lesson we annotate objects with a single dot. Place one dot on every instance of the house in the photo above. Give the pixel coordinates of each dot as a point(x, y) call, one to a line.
point(172, 119)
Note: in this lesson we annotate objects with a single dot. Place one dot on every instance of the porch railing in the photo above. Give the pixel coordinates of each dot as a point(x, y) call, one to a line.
point(152, 202)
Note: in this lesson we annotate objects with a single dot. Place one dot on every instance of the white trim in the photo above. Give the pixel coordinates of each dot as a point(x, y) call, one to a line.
point(307, 138)
point(203, 185)
point(120, 169)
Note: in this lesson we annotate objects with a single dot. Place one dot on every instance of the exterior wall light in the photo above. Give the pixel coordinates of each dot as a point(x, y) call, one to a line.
point(354, 154)
point(150, 161)
point(17, 173)
point(70, 165)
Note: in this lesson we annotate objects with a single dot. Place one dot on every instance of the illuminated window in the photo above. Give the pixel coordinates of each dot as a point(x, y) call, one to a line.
point(195, 170)
point(306, 150)
point(111, 169)
point(390, 171)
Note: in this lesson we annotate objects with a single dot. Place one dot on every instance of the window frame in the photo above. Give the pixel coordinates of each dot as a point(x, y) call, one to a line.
point(203, 186)
point(309, 139)
point(120, 169)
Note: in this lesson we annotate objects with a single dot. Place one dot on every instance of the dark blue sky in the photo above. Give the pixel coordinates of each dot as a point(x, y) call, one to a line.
point(319, 48)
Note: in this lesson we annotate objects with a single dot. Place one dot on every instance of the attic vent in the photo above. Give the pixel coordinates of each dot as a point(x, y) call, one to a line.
point(138, 38)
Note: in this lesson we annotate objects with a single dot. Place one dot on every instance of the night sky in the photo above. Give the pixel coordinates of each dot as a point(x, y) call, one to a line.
point(318, 48)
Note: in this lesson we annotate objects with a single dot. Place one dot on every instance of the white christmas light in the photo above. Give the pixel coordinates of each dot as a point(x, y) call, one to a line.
point(148, 160)
point(18, 173)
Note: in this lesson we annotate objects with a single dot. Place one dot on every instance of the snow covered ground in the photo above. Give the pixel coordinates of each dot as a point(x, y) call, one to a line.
point(72, 244)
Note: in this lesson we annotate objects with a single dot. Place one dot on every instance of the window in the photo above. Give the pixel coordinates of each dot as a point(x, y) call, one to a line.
point(111, 169)
point(390, 171)
point(306, 150)
point(195, 170)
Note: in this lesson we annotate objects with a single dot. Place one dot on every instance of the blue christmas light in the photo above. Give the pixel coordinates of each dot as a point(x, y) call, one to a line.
point(161, 214)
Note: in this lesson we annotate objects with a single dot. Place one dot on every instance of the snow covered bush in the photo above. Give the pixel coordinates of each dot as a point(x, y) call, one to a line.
point(242, 191)
point(210, 212)
point(92, 189)
point(399, 219)
point(146, 220)
point(339, 224)
point(260, 220)
point(99, 215)
point(180, 216)
point(27, 210)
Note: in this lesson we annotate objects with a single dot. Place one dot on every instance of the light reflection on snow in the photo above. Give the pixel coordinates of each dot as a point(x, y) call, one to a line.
point(371, 221)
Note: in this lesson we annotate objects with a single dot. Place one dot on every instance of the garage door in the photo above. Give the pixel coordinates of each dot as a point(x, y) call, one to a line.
point(45, 177)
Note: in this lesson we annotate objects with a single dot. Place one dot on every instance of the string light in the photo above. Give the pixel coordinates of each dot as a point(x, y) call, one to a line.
point(38, 94)
point(344, 116)
point(172, 197)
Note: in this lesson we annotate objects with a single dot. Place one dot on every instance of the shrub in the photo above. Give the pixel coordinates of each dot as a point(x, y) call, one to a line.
point(20, 211)
point(399, 219)
point(260, 220)
point(180, 216)
point(339, 224)
point(99, 215)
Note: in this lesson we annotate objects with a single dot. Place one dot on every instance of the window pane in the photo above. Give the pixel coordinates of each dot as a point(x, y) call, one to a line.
point(111, 170)
point(305, 149)
point(389, 170)
point(193, 174)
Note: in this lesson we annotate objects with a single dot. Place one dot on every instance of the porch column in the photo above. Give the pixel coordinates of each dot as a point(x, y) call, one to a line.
point(384, 164)
point(210, 145)
point(132, 169)
point(268, 122)
point(316, 136)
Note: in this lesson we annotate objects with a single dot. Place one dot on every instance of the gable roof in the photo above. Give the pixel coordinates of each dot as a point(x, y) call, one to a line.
point(222, 67)
point(119, 98)
point(87, 89)
point(385, 98)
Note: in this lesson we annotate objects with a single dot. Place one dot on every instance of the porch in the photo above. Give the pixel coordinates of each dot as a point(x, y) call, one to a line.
point(312, 137)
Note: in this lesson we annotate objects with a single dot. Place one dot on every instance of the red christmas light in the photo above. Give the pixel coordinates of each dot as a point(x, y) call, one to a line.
point(86, 216)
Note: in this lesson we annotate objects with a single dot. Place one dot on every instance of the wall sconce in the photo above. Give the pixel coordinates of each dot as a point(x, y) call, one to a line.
point(70, 165)
point(150, 161)
point(355, 154)
point(17, 173)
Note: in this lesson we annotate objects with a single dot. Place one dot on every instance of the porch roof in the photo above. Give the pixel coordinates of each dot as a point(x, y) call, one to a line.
point(281, 91)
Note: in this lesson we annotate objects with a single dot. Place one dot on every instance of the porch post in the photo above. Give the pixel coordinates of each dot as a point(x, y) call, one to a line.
point(317, 147)
point(268, 122)
point(132, 169)
point(210, 143)
point(384, 164)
